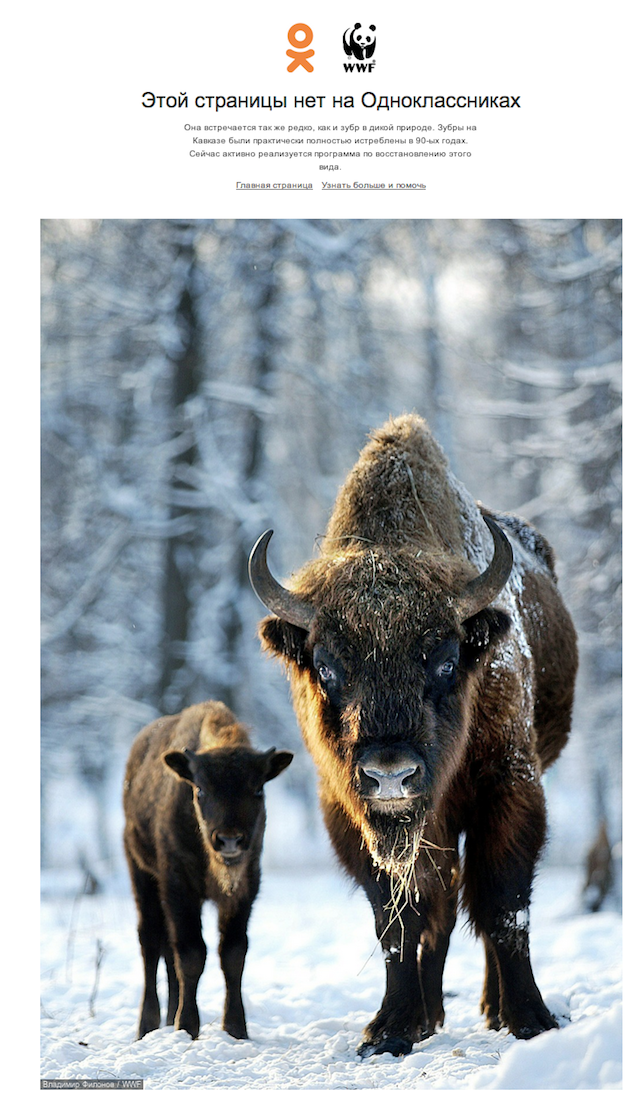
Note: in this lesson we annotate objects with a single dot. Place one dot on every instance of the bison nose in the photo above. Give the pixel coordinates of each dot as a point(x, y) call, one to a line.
point(387, 785)
point(228, 845)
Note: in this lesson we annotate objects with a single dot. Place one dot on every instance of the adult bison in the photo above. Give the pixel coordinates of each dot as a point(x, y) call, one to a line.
point(430, 715)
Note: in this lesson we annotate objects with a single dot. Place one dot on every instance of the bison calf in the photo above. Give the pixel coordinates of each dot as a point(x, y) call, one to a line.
point(195, 819)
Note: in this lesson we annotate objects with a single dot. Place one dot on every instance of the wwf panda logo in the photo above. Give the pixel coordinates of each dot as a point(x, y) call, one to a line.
point(359, 42)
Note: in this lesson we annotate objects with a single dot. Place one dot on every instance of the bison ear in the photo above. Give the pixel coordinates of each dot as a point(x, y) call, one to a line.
point(482, 631)
point(275, 763)
point(178, 762)
point(285, 640)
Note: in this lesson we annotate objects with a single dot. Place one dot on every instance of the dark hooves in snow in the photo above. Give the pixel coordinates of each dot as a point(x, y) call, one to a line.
point(528, 1031)
point(394, 1045)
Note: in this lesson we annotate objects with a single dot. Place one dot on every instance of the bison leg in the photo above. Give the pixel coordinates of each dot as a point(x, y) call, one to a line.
point(431, 966)
point(502, 849)
point(183, 915)
point(232, 922)
point(152, 934)
point(172, 982)
point(521, 1009)
point(490, 1000)
point(400, 1021)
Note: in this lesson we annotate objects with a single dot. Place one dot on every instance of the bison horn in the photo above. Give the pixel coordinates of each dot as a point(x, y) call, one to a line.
point(282, 602)
point(484, 589)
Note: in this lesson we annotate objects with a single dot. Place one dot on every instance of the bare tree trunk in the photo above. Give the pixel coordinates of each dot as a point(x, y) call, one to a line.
point(260, 279)
point(176, 605)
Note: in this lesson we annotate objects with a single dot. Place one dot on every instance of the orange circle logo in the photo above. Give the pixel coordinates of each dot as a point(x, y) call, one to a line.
point(305, 30)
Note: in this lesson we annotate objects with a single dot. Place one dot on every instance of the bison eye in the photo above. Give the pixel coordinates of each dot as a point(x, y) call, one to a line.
point(447, 668)
point(326, 674)
point(259, 792)
point(329, 672)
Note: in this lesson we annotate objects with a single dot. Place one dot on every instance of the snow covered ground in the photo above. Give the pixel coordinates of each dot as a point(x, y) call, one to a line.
point(314, 977)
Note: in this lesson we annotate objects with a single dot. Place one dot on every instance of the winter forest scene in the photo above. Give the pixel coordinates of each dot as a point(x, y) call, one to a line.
point(204, 381)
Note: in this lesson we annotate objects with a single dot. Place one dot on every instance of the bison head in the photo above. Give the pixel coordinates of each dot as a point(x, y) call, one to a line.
point(228, 794)
point(383, 646)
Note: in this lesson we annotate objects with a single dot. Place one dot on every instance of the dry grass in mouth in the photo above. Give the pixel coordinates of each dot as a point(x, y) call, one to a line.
point(401, 869)
point(400, 866)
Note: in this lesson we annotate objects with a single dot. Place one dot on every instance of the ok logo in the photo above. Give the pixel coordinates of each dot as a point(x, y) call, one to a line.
point(300, 54)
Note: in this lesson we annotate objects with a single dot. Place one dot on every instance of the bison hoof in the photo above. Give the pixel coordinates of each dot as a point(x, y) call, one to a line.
point(492, 1019)
point(192, 1027)
point(237, 1032)
point(143, 1029)
point(148, 1022)
point(528, 1031)
point(529, 1024)
point(394, 1045)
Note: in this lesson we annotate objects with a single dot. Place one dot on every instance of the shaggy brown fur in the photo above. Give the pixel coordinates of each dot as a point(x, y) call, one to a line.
point(425, 726)
point(195, 819)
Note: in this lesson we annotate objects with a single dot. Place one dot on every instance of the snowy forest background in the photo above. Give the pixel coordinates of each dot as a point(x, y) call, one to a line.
point(203, 380)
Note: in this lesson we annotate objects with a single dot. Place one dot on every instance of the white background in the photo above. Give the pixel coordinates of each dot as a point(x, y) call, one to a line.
point(77, 143)
point(94, 151)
